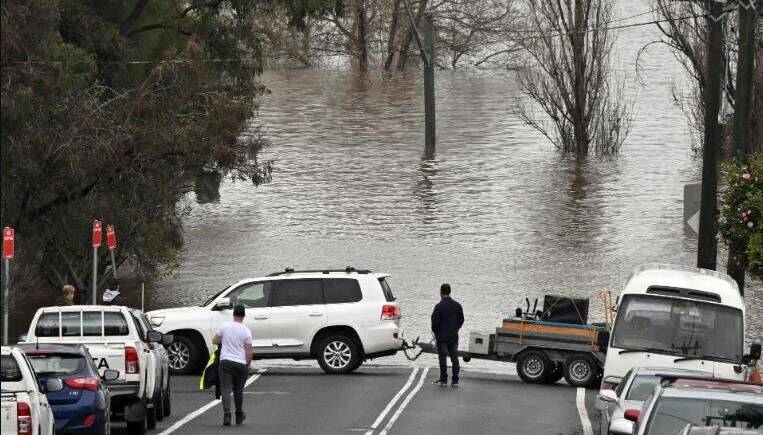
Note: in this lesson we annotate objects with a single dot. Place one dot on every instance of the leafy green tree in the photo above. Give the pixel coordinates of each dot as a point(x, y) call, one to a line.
point(115, 110)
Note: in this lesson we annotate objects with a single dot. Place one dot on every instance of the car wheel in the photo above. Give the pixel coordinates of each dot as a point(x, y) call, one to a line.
point(184, 356)
point(151, 417)
point(580, 370)
point(534, 366)
point(159, 404)
point(338, 354)
point(168, 399)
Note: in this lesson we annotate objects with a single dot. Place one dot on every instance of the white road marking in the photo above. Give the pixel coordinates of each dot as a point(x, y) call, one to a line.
point(584, 420)
point(178, 424)
point(392, 402)
point(406, 401)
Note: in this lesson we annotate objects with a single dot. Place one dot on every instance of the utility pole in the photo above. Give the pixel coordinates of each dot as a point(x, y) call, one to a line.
point(428, 58)
point(707, 248)
point(742, 140)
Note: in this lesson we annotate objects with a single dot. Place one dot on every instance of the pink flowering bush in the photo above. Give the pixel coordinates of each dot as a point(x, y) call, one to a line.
point(742, 209)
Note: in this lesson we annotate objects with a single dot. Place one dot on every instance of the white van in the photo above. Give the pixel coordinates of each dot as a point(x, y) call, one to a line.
point(682, 317)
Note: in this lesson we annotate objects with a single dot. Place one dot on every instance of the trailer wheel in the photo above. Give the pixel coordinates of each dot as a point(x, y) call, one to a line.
point(556, 373)
point(534, 366)
point(580, 370)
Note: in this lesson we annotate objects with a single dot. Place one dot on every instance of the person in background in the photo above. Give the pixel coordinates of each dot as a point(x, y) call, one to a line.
point(447, 319)
point(67, 295)
point(112, 295)
point(235, 358)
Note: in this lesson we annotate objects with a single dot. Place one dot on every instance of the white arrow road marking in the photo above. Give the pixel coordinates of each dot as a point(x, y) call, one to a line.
point(178, 424)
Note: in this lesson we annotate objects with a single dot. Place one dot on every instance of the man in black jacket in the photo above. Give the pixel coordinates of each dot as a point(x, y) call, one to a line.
point(447, 319)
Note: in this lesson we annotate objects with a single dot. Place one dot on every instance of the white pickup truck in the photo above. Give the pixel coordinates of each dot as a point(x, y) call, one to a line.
point(25, 409)
point(118, 338)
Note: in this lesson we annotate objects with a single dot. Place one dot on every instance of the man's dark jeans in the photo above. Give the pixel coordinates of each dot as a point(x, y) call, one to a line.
point(443, 349)
point(232, 378)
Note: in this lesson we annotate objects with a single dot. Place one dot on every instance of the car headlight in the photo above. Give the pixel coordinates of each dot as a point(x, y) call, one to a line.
point(157, 321)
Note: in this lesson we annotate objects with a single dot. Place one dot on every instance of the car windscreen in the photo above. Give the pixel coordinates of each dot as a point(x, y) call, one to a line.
point(9, 369)
point(642, 387)
point(679, 327)
point(672, 414)
point(214, 296)
point(56, 364)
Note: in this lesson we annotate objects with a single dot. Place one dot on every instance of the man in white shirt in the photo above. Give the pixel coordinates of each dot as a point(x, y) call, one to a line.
point(235, 357)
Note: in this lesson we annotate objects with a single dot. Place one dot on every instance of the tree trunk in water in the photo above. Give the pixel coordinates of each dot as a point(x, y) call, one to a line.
point(406, 44)
point(391, 48)
point(362, 37)
point(578, 55)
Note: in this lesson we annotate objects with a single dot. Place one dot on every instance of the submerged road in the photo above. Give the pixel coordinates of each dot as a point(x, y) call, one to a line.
point(382, 400)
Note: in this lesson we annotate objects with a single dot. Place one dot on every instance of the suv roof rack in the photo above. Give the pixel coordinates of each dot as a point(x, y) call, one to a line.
point(671, 379)
point(348, 269)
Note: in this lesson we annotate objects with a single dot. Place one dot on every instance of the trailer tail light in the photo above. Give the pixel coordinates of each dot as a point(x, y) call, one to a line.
point(390, 312)
point(86, 383)
point(131, 361)
point(24, 418)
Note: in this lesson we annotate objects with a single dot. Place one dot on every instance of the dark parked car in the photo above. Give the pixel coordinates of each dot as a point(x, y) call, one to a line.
point(84, 404)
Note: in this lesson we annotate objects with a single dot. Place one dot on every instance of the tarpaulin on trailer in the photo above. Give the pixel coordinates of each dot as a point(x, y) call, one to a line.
point(563, 309)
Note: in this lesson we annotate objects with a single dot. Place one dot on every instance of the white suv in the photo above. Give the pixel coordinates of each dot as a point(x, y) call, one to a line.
point(339, 317)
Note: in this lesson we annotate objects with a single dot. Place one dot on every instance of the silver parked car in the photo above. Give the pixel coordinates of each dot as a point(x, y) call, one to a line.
point(631, 392)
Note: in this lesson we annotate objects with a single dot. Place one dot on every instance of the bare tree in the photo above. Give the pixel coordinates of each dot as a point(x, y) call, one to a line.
point(567, 75)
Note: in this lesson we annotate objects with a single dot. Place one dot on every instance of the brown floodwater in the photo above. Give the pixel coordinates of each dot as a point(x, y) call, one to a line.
point(496, 212)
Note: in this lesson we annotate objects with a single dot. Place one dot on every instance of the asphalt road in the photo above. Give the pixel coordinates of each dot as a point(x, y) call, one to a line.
point(381, 400)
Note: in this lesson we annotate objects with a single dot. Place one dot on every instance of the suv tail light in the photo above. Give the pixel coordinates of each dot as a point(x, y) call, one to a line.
point(86, 383)
point(131, 361)
point(390, 312)
point(24, 417)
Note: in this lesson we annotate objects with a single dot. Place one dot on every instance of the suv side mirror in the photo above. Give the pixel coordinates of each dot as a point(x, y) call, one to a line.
point(607, 396)
point(167, 339)
point(223, 304)
point(154, 336)
point(53, 385)
point(110, 375)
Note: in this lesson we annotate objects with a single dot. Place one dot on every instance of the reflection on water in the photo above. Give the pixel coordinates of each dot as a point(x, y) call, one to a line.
point(495, 212)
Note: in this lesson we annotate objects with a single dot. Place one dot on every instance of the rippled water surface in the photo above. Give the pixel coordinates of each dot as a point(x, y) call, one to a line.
point(495, 212)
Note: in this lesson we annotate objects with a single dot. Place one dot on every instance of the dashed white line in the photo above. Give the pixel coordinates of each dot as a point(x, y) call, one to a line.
point(178, 424)
point(406, 401)
point(392, 402)
point(584, 420)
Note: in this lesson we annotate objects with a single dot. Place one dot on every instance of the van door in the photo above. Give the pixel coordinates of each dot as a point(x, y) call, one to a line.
point(298, 312)
point(255, 297)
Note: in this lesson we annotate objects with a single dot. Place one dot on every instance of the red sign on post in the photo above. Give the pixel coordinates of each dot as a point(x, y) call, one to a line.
point(97, 233)
point(8, 242)
point(111, 237)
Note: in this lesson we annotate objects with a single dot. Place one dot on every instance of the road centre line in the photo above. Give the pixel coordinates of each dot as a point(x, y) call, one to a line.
point(206, 407)
point(584, 420)
point(406, 401)
point(392, 402)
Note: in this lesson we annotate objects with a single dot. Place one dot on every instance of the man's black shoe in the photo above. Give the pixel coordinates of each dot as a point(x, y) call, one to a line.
point(240, 417)
point(454, 384)
point(226, 419)
point(440, 383)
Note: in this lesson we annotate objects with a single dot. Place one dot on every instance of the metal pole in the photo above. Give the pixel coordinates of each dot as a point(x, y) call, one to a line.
point(429, 107)
point(113, 264)
point(5, 300)
point(95, 276)
point(142, 294)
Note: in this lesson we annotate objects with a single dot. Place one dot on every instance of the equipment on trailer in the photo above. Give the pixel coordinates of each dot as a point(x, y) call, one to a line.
point(546, 345)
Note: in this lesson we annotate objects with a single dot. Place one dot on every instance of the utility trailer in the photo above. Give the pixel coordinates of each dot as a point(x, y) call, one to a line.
point(545, 350)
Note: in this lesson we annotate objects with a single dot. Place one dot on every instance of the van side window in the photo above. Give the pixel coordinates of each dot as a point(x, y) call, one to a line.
point(291, 292)
point(71, 325)
point(114, 324)
point(338, 291)
point(92, 323)
point(47, 325)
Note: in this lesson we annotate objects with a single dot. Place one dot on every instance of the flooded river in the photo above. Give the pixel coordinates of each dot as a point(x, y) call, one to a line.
point(496, 211)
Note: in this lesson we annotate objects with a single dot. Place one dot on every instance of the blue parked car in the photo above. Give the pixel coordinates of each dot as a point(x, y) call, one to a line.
point(84, 404)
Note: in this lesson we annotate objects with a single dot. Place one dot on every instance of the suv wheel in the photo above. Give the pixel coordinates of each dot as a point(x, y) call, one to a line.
point(338, 354)
point(184, 355)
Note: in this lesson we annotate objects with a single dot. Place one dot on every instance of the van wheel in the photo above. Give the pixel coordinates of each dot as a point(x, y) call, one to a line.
point(580, 370)
point(151, 417)
point(137, 427)
point(338, 354)
point(534, 366)
point(184, 355)
point(168, 400)
point(159, 404)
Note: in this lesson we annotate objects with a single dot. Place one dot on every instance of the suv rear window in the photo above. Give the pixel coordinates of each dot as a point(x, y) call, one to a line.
point(52, 364)
point(387, 291)
point(9, 369)
point(342, 290)
point(298, 292)
point(47, 325)
point(114, 324)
